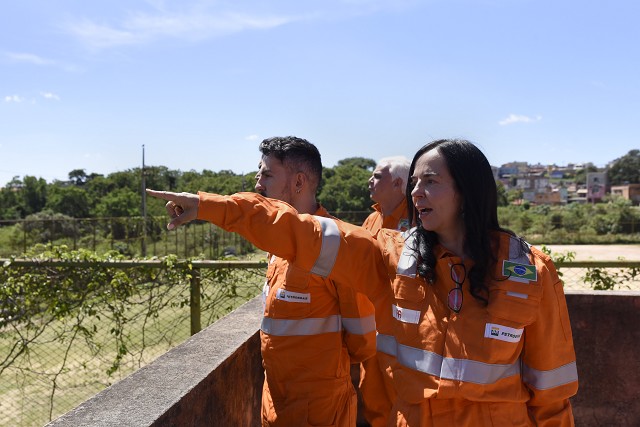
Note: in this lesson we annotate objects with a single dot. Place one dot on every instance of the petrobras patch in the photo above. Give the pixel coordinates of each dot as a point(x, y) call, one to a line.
point(519, 272)
point(285, 295)
point(406, 315)
point(502, 333)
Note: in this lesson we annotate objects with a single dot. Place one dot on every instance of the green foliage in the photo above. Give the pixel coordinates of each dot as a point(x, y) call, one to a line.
point(608, 222)
point(503, 197)
point(603, 279)
point(120, 202)
point(345, 186)
point(47, 226)
point(626, 169)
point(68, 200)
point(34, 194)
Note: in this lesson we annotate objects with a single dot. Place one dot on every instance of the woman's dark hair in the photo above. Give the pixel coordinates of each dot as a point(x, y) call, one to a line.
point(476, 186)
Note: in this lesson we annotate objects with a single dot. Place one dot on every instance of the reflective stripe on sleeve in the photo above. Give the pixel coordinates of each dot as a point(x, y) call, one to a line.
point(386, 344)
point(544, 380)
point(330, 246)
point(445, 367)
point(311, 326)
point(359, 326)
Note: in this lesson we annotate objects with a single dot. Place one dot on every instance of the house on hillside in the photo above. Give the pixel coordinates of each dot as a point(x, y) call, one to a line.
point(596, 186)
point(628, 192)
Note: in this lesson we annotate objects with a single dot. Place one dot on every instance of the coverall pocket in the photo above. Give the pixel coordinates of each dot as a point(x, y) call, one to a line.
point(515, 302)
point(409, 303)
point(293, 297)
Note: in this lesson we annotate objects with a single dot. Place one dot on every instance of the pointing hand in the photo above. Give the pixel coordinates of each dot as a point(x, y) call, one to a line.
point(181, 207)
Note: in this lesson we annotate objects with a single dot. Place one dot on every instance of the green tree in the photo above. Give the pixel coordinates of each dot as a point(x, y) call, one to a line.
point(78, 177)
point(68, 200)
point(121, 202)
point(11, 206)
point(345, 186)
point(503, 199)
point(626, 169)
point(34, 194)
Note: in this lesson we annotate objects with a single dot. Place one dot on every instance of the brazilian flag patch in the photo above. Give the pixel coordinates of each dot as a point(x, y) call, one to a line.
point(522, 271)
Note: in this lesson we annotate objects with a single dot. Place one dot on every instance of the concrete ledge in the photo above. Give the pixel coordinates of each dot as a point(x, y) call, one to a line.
point(606, 334)
point(214, 378)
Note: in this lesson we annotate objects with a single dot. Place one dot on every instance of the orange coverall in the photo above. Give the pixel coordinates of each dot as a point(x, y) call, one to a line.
point(511, 362)
point(398, 220)
point(312, 328)
point(376, 385)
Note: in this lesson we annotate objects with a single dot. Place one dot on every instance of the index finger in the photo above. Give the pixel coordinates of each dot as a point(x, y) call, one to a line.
point(165, 195)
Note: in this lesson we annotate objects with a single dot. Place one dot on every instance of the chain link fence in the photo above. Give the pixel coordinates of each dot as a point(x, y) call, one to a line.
point(600, 275)
point(126, 235)
point(52, 364)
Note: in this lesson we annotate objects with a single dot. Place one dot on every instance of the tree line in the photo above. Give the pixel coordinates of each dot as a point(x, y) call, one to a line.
point(119, 194)
point(91, 195)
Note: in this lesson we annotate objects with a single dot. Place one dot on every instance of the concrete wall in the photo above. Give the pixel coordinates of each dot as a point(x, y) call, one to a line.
point(215, 378)
point(606, 334)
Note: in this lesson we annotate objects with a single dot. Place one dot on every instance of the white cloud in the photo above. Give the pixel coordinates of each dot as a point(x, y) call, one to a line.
point(32, 59)
point(28, 58)
point(251, 138)
point(141, 28)
point(516, 118)
point(13, 98)
point(49, 95)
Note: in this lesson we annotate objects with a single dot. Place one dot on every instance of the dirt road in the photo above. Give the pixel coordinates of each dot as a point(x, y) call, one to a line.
point(598, 252)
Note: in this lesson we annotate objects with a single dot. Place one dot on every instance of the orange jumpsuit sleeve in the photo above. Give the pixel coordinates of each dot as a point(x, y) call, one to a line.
point(549, 361)
point(276, 227)
point(358, 319)
point(272, 225)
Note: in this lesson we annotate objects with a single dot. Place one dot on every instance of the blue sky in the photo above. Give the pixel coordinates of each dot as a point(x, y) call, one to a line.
point(84, 84)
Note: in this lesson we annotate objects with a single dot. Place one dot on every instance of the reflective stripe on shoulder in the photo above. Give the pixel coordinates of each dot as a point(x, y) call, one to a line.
point(311, 326)
point(445, 367)
point(517, 252)
point(518, 267)
point(359, 326)
point(330, 245)
point(408, 262)
point(544, 380)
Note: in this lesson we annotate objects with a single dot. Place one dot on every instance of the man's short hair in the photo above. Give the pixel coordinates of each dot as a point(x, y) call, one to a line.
point(296, 154)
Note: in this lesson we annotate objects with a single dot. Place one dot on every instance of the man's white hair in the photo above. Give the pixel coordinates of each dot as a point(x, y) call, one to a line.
point(398, 167)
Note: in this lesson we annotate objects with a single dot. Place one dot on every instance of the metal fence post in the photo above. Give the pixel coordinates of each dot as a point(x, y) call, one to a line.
point(194, 301)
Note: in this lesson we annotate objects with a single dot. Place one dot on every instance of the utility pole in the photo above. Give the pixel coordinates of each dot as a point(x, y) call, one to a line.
point(144, 208)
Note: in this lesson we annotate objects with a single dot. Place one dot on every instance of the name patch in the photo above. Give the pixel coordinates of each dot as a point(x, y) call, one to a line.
point(502, 333)
point(406, 315)
point(285, 295)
